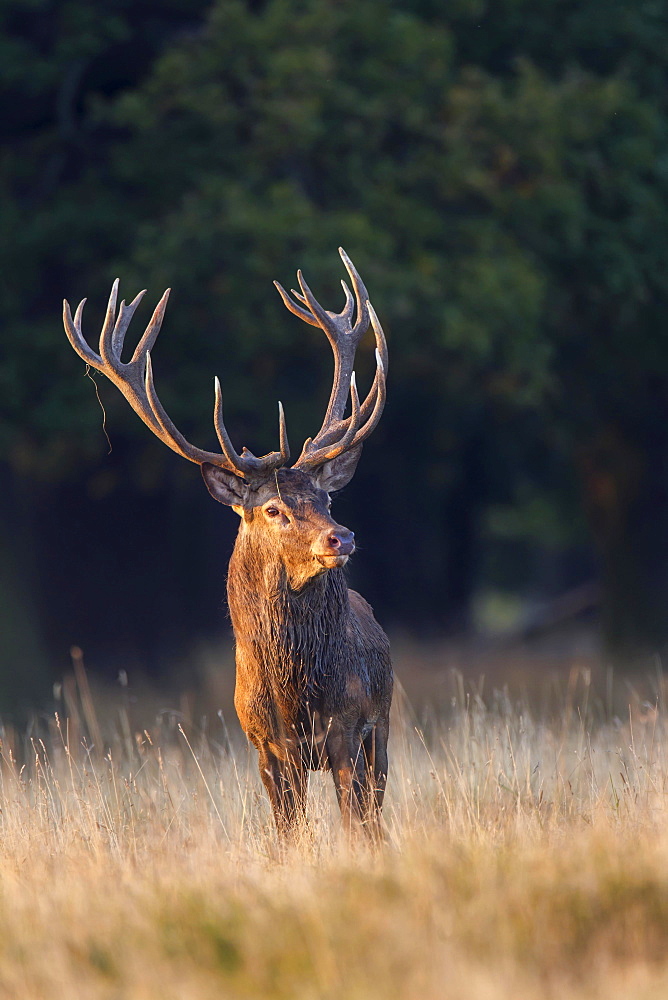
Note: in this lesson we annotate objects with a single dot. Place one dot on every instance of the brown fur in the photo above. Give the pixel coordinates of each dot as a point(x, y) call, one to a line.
point(314, 680)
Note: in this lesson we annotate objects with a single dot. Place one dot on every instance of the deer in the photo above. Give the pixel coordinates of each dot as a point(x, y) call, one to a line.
point(313, 673)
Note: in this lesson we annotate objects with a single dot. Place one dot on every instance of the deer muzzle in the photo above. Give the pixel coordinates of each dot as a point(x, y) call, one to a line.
point(334, 547)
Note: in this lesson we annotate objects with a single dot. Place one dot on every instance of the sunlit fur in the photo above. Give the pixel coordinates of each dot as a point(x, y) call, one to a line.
point(314, 681)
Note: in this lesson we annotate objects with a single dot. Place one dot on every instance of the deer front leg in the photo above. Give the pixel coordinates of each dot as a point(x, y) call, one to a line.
point(375, 752)
point(286, 781)
point(347, 761)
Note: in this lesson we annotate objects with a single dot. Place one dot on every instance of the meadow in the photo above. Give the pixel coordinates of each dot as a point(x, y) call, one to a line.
point(526, 855)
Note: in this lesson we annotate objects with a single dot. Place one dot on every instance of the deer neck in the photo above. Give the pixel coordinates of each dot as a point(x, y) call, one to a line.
point(286, 621)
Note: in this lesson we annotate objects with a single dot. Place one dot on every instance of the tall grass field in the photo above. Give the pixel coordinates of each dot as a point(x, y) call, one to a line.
point(525, 857)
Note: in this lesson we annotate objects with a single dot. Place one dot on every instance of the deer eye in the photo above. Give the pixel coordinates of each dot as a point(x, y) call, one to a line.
point(272, 512)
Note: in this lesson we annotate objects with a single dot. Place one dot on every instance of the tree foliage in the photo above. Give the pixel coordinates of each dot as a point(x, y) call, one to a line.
point(498, 172)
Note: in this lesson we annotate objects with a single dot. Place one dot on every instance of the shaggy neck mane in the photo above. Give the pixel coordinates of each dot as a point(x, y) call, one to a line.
point(297, 636)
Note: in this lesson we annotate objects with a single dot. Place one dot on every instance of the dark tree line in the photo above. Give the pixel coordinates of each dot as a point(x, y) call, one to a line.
point(498, 173)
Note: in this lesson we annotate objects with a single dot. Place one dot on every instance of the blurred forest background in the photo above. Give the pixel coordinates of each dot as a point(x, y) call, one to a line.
point(498, 172)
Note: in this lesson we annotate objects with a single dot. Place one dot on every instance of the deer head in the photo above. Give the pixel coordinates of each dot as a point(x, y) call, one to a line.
point(287, 506)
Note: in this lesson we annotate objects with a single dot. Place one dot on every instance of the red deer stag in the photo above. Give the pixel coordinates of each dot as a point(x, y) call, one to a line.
point(314, 679)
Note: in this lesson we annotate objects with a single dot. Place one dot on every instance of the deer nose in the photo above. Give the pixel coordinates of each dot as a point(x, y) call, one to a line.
point(341, 542)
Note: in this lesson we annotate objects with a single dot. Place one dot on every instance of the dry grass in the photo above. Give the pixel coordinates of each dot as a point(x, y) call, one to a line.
point(523, 859)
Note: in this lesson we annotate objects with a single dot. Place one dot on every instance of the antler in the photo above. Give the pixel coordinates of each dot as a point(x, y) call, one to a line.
point(135, 380)
point(338, 434)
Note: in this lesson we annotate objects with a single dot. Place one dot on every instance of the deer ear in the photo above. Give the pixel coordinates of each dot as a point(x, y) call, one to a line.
point(224, 486)
point(338, 472)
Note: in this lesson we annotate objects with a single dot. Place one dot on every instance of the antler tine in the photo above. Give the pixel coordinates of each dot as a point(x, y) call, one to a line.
point(381, 342)
point(221, 430)
point(301, 308)
point(347, 439)
point(108, 326)
point(115, 328)
point(379, 404)
point(293, 307)
point(325, 320)
point(347, 313)
point(361, 295)
point(75, 336)
point(374, 403)
point(151, 332)
point(283, 434)
point(125, 314)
